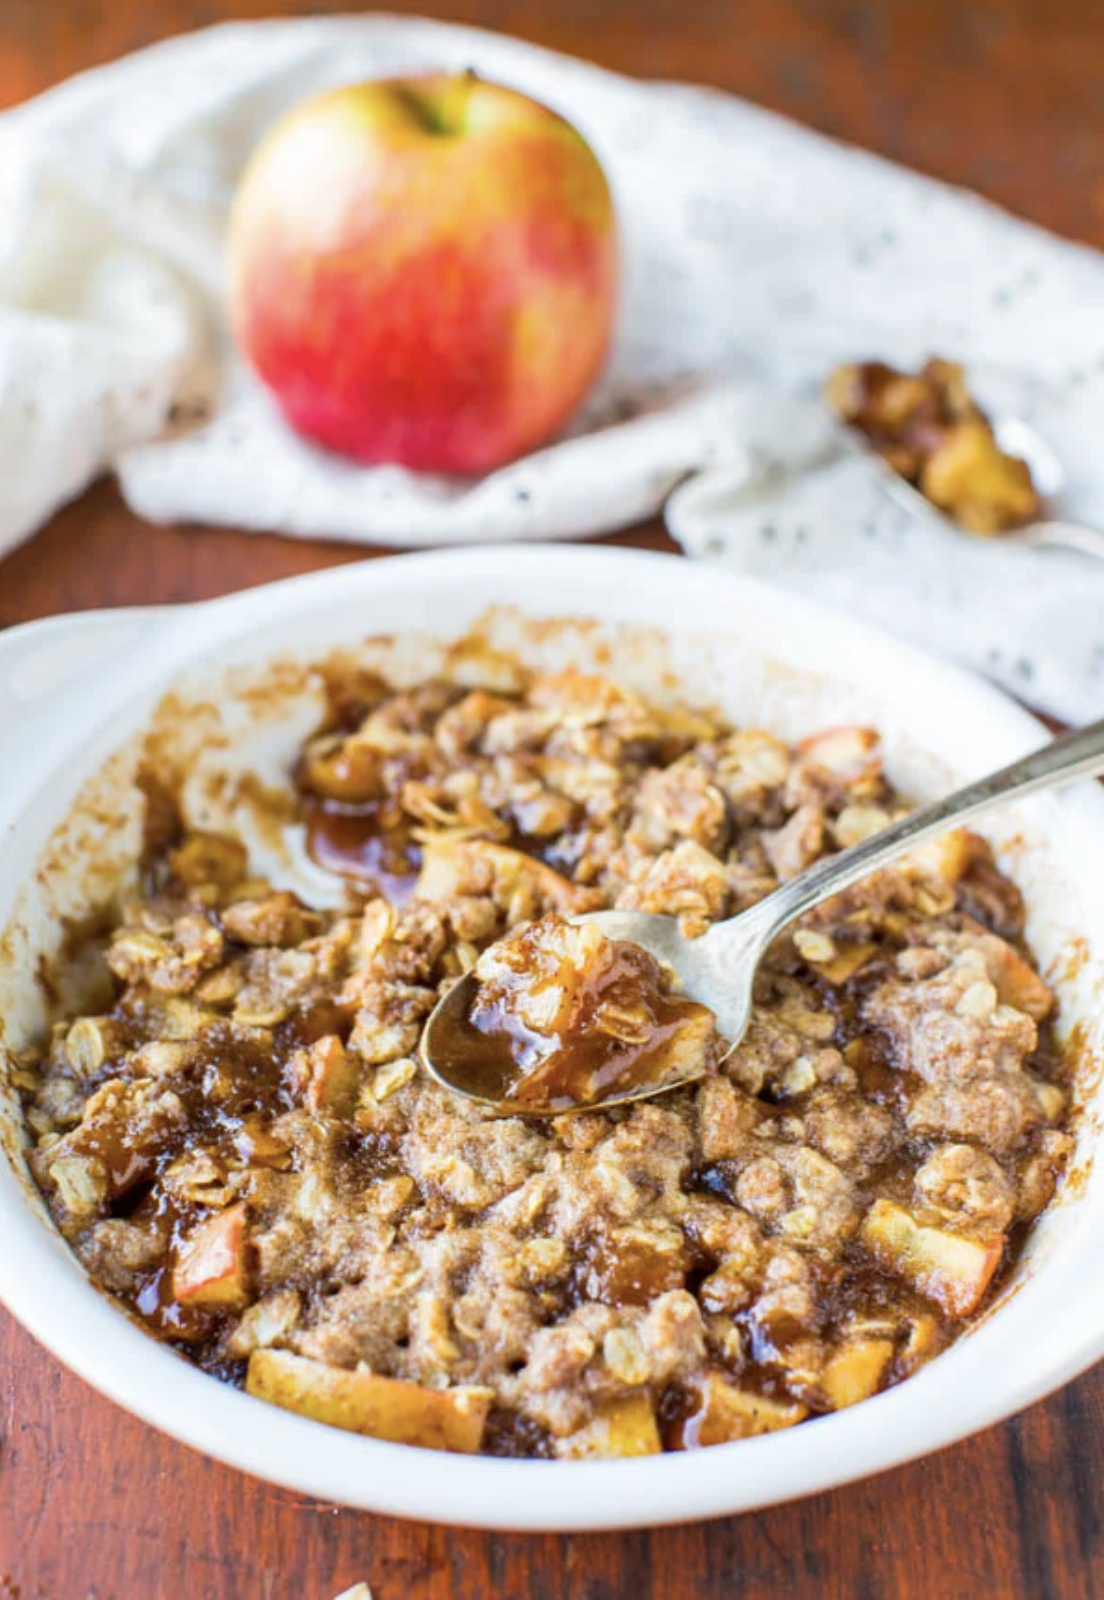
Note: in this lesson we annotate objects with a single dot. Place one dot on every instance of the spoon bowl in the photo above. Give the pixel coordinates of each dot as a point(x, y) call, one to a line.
point(1018, 438)
point(438, 1057)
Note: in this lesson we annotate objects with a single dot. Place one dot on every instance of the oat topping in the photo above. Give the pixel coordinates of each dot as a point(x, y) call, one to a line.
point(242, 1149)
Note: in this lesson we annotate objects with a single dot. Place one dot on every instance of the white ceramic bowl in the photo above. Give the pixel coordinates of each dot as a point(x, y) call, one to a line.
point(75, 690)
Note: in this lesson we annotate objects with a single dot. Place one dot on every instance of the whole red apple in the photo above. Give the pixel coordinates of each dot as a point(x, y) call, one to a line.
point(424, 271)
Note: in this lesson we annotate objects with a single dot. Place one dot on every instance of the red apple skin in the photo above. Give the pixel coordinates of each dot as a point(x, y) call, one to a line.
point(425, 271)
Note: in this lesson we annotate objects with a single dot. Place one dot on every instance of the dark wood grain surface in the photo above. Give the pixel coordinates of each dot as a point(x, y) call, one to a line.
point(1006, 96)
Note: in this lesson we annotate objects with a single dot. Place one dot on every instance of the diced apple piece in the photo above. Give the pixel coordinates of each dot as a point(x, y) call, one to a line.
point(622, 1428)
point(924, 1340)
point(211, 1269)
point(259, 1146)
point(1052, 1101)
point(857, 822)
point(479, 708)
point(855, 1371)
point(947, 1268)
point(328, 1077)
point(727, 1412)
point(949, 857)
point(846, 752)
point(847, 960)
point(263, 1324)
point(1019, 986)
point(365, 1402)
point(349, 771)
point(81, 1187)
point(689, 1045)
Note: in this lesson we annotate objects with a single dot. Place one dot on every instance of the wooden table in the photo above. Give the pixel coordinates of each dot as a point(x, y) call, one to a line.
point(1005, 96)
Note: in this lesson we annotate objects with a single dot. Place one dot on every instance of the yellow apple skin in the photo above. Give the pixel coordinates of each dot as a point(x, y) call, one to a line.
point(425, 271)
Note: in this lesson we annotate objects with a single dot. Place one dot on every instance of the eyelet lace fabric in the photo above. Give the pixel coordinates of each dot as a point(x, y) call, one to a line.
point(758, 255)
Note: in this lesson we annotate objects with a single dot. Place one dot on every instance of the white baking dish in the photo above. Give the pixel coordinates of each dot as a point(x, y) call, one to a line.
point(75, 691)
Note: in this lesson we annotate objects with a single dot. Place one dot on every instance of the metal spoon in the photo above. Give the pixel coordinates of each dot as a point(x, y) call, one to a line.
point(1017, 438)
point(718, 968)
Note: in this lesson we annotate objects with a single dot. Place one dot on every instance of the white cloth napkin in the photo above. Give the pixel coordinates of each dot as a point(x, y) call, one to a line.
point(758, 255)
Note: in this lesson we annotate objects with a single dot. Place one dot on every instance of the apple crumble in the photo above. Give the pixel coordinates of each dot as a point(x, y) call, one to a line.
point(932, 432)
point(241, 1148)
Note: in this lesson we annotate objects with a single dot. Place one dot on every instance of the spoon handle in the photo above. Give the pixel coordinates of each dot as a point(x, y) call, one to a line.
point(1074, 755)
point(1066, 536)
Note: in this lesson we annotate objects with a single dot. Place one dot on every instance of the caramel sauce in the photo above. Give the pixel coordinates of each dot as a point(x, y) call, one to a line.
point(230, 1092)
point(517, 1437)
point(685, 1422)
point(626, 1273)
point(164, 1316)
point(366, 844)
